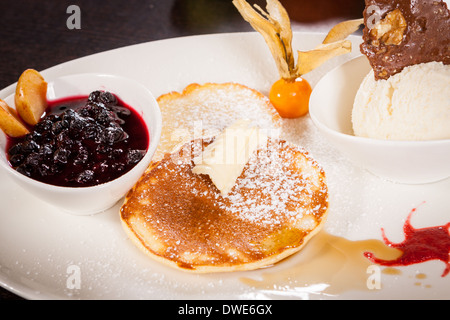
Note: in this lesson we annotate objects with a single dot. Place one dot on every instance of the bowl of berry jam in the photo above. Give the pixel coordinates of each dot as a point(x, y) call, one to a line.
point(94, 141)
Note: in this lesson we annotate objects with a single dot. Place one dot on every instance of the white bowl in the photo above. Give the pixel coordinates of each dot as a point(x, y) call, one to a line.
point(409, 162)
point(91, 200)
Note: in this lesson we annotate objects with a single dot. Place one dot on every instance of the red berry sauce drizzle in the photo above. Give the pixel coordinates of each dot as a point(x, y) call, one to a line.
point(420, 245)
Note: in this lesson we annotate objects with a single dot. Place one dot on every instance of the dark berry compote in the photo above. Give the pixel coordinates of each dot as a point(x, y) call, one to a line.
point(81, 142)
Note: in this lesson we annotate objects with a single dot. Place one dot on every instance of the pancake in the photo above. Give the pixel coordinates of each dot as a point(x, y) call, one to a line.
point(181, 219)
point(207, 109)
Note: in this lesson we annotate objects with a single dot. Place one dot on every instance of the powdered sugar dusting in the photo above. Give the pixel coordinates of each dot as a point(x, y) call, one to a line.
point(206, 110)
point(280, 197)
point(284, 190)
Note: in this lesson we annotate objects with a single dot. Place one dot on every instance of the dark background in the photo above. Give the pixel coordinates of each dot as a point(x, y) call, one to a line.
point(33, 33)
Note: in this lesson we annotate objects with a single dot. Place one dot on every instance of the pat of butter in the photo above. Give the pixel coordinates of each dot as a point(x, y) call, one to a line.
point(225, 158)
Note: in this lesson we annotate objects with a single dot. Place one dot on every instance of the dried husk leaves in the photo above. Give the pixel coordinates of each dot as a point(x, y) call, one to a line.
point(342, 30)
point(275, 27)
point(309, 60)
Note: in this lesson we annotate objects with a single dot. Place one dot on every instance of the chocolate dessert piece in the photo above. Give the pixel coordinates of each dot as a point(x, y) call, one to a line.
point(401, 33)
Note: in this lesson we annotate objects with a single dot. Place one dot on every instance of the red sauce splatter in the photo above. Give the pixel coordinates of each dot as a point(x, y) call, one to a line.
point(420, 245)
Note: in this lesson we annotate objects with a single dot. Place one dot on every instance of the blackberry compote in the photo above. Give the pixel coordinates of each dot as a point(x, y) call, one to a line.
point(81, 142)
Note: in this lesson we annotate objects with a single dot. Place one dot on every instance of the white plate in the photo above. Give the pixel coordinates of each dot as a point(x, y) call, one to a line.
point(44, 253)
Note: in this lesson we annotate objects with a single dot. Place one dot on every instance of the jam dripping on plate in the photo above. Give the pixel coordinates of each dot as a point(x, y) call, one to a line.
point(420, 245)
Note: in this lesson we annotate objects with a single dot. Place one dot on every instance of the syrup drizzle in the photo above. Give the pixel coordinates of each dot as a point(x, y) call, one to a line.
point(420, 245)
point(331, 264)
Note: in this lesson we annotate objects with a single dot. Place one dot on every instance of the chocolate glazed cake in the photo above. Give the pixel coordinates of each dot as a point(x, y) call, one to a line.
point(401, 33)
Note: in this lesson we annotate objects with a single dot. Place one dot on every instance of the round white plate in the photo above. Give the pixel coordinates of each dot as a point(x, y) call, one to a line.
point(46, 254)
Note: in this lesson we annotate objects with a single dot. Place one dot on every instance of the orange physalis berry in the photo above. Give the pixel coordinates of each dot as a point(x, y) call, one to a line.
point(290, 97)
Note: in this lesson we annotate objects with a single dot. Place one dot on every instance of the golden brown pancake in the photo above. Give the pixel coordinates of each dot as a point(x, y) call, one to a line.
point(181, 219)
point(207, 109)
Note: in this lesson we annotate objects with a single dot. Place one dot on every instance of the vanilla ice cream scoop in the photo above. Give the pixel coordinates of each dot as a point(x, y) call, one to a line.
point(411, 105)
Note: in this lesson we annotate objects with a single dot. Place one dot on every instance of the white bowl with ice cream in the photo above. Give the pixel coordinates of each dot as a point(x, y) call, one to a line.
point(395, 159)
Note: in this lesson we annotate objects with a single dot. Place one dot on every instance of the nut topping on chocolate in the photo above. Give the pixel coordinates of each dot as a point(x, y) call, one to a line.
point(389, 30)
point(401, 33)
